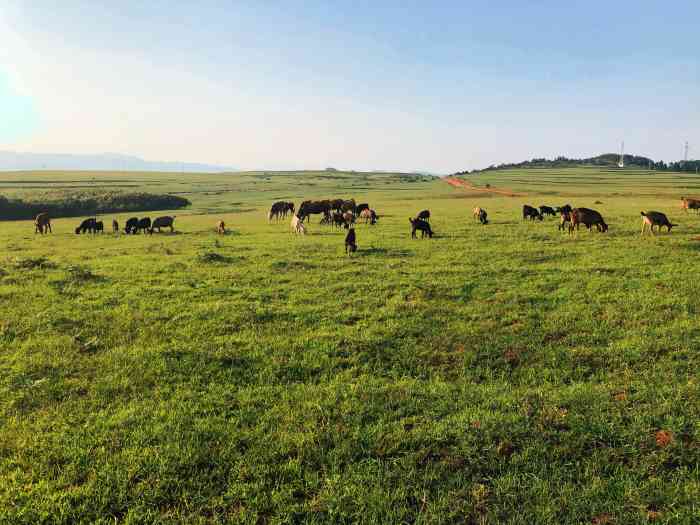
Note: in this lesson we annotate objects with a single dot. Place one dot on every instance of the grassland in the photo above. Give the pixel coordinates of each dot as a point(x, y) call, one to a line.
point(494, 374)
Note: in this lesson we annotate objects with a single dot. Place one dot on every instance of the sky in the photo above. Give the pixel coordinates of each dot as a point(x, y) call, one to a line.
point(406, 85)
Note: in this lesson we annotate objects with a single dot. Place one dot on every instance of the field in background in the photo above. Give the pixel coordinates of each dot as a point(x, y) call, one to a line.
point(495, 374)
point(592, 181)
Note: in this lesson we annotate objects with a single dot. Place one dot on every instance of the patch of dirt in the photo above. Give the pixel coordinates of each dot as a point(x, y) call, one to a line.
point(463, 184)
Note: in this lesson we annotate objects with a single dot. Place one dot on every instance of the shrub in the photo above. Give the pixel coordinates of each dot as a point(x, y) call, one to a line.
point(73, 204)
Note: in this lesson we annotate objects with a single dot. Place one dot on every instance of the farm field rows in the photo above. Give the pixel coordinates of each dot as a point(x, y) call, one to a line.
point(505, 373)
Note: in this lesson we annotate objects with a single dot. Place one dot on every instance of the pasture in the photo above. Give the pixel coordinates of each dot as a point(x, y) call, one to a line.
point(500, 373)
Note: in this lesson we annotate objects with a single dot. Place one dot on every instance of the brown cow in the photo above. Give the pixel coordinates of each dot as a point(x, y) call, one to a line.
point(588, 218)
point(42, 222)
point(692, 204)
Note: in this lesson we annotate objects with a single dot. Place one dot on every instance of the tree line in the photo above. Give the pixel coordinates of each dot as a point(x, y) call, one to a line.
point(74, 204)
point(607, 159)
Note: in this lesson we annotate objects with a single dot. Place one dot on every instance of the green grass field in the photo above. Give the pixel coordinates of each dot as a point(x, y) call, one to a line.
point(505, 373)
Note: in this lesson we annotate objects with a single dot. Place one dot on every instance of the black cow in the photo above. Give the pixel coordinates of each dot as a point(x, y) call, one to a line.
point(350, 242)
point(162, 222)
point(144, 225)
point(588, 218)
point(132, 225)
point(115, 226)
point(308, 208)
point(531, 213)
point(87, 226)
point(423, 226)
point(566, 208)
point(547, 210)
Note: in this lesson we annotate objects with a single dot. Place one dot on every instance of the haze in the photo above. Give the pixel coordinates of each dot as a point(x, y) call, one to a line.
point(358, 85)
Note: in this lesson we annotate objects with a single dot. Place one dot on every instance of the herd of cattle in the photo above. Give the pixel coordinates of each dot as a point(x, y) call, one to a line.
point(42, 224)
point(344, 213)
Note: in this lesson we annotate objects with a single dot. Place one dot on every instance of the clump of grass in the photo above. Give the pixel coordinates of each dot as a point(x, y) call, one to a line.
point(30, 263)
point(213, 258)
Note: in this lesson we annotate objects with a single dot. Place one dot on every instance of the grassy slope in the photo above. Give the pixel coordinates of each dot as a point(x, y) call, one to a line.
point(503, 373)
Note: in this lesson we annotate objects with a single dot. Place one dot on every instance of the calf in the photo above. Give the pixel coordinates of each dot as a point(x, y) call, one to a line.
point(42, 223)
point(221, 228)
point(350, 242)
point(547, 210)
point(531, 213)
point(87, 226)
point(481, 215)
point(423, 226)
point(132, 225)
point(655, 218)
point(588, 218)
point(162, 222)
point(297, 225)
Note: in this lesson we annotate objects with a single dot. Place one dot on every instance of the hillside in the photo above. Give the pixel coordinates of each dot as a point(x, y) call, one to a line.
point(609, 160)
point(587, 180)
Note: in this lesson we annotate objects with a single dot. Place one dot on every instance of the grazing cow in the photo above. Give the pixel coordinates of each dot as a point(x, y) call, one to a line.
point(87, 226)
point(144, 224)
point(297, 225)
point(221, 228)
point(690, 204)
point(424, 215)
point(588, 218)
point(531, 213)
point(308, 208)
point(361, 207)
point(422, 225)
point(369, 215)
point(481, 215)
point(655, 218)
point(163, 222)
point(42, 223)
point(115, 226)
point(99, 227)
point(337, 219)
point(547, 210)
point(564, 219)
point(279, 209)
point(288, 208)
point(132, 226)
point(348, 218)
point(350, 242)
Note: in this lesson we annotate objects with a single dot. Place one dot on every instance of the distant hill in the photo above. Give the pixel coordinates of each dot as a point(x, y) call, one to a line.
point(11, 161)
point(606, 159)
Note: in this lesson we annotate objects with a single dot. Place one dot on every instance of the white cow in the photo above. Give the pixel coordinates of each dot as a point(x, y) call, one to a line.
point(297, 226)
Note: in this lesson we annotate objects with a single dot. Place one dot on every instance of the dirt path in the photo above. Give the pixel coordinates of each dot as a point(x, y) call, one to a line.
point(460, 183)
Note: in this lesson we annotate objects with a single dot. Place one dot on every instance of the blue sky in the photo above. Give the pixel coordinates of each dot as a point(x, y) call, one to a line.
point(437, 86)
